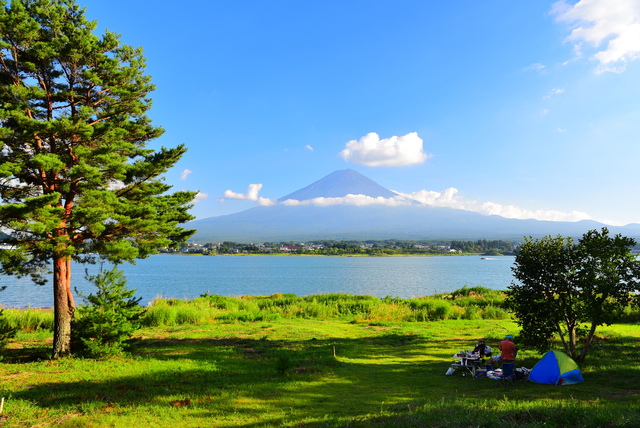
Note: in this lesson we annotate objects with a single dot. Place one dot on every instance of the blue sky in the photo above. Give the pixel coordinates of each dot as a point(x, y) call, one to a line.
point(523, 109)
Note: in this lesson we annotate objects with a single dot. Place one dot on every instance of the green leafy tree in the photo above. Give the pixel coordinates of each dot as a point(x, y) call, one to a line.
point(76, 175)
point(567, 290)
point(110, 317)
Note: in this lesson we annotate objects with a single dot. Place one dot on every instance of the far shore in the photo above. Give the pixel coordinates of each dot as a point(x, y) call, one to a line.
point(336, 255)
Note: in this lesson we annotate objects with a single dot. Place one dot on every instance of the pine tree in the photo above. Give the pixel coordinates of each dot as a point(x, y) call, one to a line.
point(109, 316)
point(76, 176)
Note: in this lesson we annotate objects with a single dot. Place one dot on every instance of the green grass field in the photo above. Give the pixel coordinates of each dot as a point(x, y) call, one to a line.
point(311, 372)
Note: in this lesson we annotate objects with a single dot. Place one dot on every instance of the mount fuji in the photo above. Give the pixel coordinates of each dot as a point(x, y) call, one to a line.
point(339, 184)
point(317, 212)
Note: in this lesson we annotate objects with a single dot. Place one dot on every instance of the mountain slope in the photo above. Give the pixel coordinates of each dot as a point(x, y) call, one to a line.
point(339, 184)
point(349, 222)
point(344, 222)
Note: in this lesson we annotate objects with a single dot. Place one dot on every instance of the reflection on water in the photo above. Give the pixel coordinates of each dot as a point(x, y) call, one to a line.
point(190, 276)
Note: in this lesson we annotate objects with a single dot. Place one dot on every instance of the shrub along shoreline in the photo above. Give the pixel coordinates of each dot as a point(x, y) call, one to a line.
point(467, 303)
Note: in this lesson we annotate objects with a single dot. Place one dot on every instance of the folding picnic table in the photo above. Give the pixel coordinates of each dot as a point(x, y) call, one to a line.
point(468, 362)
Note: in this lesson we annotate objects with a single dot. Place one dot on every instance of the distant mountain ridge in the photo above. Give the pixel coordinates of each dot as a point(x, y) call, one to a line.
point(377, 221)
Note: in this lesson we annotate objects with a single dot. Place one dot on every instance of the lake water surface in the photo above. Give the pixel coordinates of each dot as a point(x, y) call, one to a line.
point(190, 276)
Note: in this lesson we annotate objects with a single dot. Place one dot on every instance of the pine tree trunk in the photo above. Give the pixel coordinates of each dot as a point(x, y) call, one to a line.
point(64, 307)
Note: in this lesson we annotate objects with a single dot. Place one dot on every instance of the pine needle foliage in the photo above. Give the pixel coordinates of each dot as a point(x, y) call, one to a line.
point(109, 318)
point(76, 175)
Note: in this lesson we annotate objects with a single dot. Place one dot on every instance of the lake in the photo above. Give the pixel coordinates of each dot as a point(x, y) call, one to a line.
point(186, 277)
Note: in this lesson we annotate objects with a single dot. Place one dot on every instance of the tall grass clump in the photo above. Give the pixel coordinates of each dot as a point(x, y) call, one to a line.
point(230, 304)
point(468, 303)
point(219, 302)
point(495, 313)
point(472, 312)
point(7, 331)
point(171, 312)
point(391, 311)
point(255, 316)
point(350, 305)
point(30, 320)
point(279, 303)
point(190, 315)
point(314, 309)
point(159, 314)
point(431, 309)
point(439, 310)
point(477, 296)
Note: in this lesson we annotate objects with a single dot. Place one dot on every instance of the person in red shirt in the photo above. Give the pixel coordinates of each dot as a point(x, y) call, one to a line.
point(508, 351)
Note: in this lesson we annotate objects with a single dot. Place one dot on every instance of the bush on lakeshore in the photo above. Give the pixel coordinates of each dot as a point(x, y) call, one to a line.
point(478, 296)
point(219, 302)
point(431, 309)
point(495, 313)
point(472, 312)
point(477, 291)
point(464, 304)
point(468, 303)
point(631, 314)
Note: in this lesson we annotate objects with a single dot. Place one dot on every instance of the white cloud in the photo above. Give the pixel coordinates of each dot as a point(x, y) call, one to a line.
point(266, 202)
point(358, 200)
point(370, 150)
point(252, 191)
point(511, 211)
point(200, 197)
point(612, 27)
point(544, 112)
point(438, 199)
point(554, 91)
point(252, 194)
point(449, 198)
point(308, 147)
point(534, 67)
point(185, 174)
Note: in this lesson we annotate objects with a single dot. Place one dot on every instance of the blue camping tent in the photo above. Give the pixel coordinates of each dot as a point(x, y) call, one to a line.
point(556, 368)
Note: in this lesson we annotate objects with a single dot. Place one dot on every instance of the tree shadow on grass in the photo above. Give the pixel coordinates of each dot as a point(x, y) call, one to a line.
point(30, 354)
point(217, 370)
point(397, 378)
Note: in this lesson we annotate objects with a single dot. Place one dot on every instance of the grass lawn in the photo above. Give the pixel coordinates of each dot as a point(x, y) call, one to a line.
point(312, 373)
